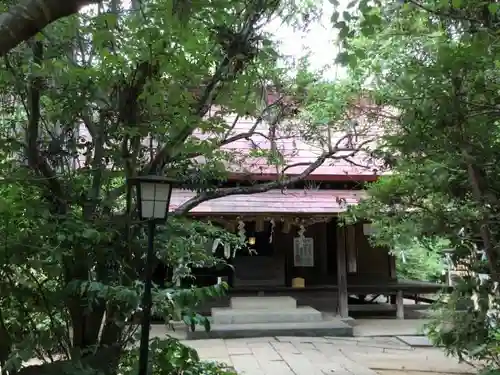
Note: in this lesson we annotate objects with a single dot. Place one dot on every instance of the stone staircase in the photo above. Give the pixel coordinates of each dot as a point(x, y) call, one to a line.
point(269, 316)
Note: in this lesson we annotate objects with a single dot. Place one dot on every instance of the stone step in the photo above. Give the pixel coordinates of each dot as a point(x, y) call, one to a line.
point(232, 331)
point(238, 316)
point(263, 303)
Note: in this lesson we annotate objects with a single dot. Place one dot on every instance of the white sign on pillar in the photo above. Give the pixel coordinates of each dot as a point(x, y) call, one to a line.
point(303, 252)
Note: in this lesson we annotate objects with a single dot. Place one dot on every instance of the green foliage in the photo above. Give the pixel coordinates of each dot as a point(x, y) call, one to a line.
point(170, 357)
point(433, 68)
point(98, 98)
point(181, 233)
point(34, 249)
point(418, 260)
point(468, 327)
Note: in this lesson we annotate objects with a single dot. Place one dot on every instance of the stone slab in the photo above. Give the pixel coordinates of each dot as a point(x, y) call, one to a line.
point(229, 331)
point(240, 316)
point(263, 303)
point(389, 327)
point(416, 341)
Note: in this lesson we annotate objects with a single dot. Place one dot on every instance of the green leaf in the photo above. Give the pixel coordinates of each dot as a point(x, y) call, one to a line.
point(187, 319)
point(340, 25)
point(352, 4)
point(343, 33)
point(206, 324)
point(343, 58)
point(493, 7)
point(89, 233)
point(477, 350)
point(456, 3)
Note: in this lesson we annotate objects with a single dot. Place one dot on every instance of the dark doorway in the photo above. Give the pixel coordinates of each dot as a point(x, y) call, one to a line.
point(259, 264)
point(262, 246)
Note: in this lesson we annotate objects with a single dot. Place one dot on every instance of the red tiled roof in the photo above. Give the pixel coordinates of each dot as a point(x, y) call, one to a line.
point(274, 201)
point(295, 151)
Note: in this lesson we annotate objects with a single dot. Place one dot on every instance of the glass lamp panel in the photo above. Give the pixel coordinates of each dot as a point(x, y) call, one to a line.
point(154, 198)
point(147, 209)
point(148, 191)
point(160, 209)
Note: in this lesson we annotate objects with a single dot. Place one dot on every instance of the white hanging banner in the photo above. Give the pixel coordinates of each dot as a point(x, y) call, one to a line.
point(303, 252)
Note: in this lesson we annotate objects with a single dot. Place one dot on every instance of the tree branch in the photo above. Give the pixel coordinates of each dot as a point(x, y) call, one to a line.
point(452, 15)
point(260, 188)
point(173, 147)
point(27, 18)
point(237, 137)
point(35, 160)
point(210, 92)
point(97, 164)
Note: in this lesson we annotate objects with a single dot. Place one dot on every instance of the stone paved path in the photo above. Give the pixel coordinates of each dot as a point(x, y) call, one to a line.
point(324, 355)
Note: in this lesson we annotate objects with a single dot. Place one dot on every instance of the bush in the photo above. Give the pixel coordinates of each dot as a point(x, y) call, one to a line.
point(416, 261)
point(170, 357)
point(465, 324)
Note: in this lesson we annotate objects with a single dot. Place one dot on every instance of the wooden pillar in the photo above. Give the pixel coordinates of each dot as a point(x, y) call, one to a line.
point(323, 249)
point(351, 250)
point(342, 274)
point(230, 272)
point(400, 313)
point(392, 267)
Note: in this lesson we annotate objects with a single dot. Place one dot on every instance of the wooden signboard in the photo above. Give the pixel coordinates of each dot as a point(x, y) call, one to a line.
point(303, 252)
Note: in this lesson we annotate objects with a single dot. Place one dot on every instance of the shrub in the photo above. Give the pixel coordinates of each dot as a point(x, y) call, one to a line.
point(465, 323)
point(170, 357)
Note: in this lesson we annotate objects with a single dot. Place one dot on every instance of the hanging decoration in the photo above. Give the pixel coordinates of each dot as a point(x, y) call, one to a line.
point(302, 231)
point(288, 222)
point(227, 251)
point(241, 230)
point(402, 254)
point(216, 244)
point(273, 225)
point(260, 221)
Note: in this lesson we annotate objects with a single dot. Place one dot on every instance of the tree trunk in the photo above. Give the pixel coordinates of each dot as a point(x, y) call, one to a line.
point(25, 19)
point(489, 243)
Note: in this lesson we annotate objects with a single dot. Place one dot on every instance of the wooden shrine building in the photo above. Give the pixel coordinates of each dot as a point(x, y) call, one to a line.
point(294, 233)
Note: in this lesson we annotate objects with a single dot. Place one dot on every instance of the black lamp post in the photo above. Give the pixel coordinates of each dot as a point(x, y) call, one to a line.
point(153, 198)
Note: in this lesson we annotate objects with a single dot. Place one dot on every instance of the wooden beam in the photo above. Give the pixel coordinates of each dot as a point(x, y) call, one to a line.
point(400, 312)
point(342, 273)
point(392, 267)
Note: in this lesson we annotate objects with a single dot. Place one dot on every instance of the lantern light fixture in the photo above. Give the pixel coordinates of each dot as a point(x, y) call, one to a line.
point(153, 200)
point(153, 196)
